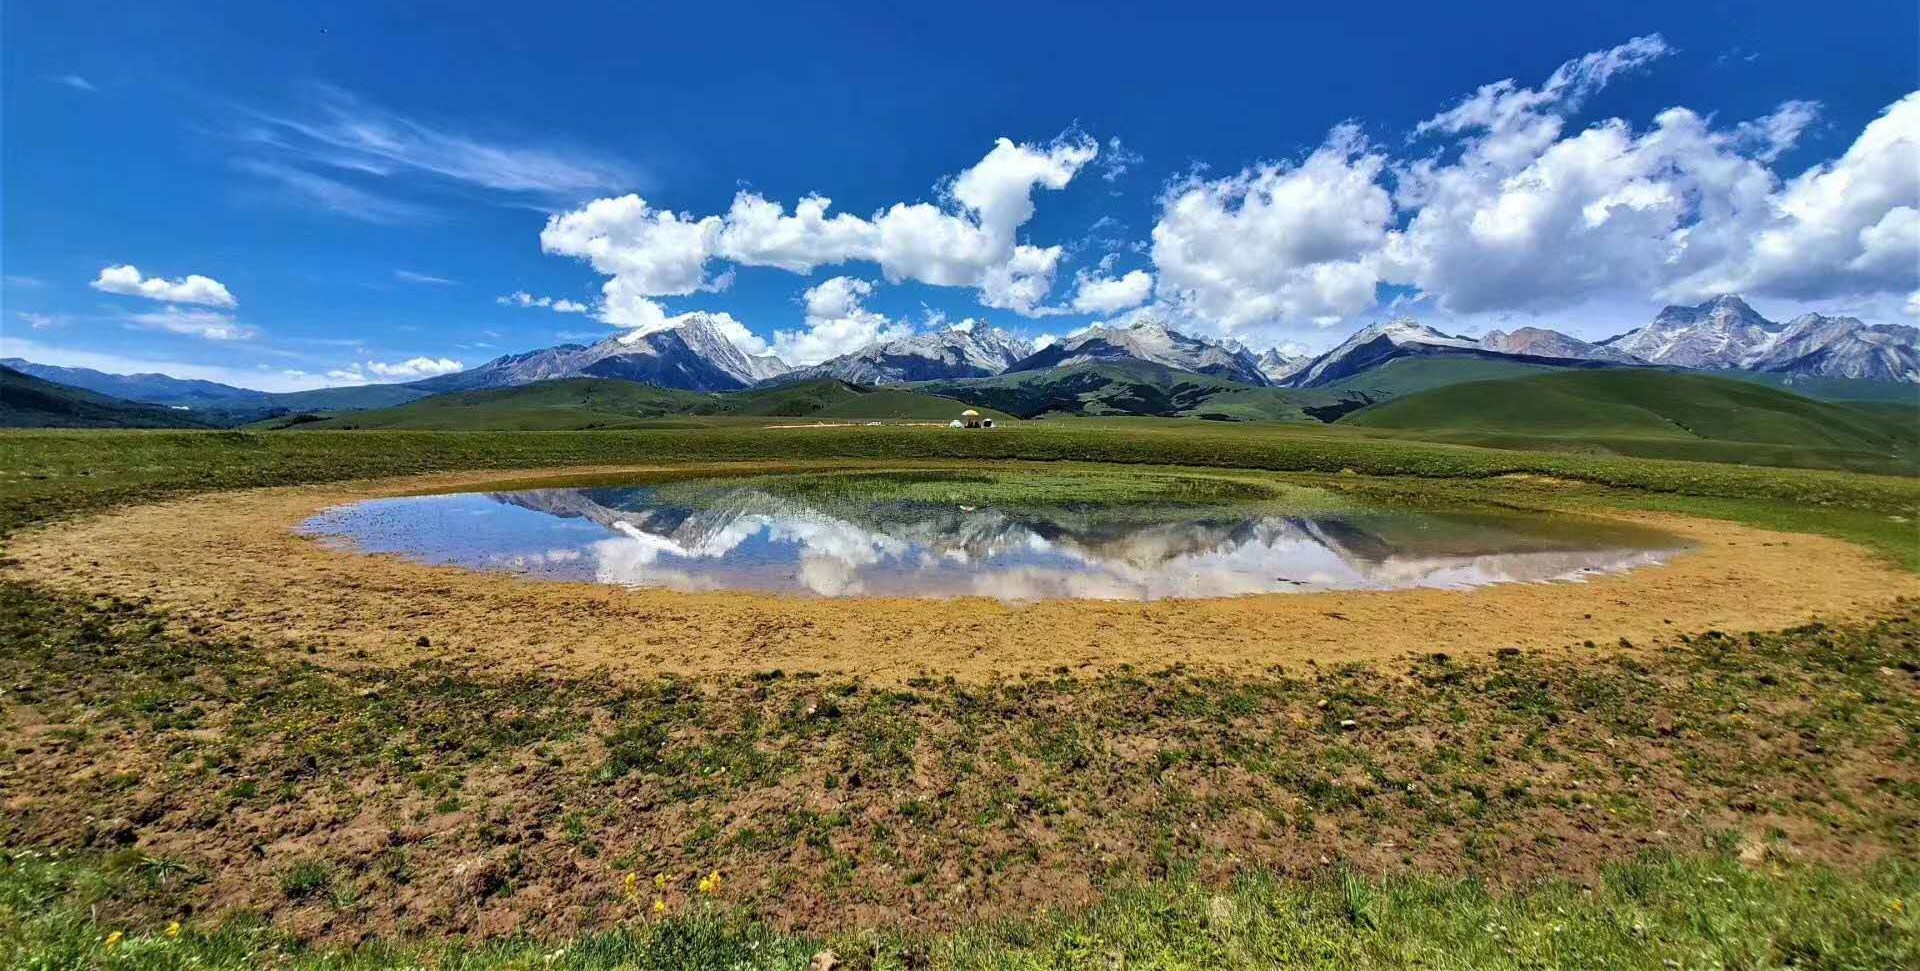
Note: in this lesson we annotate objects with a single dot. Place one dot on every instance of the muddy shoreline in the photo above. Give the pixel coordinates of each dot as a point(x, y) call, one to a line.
point(231, 563)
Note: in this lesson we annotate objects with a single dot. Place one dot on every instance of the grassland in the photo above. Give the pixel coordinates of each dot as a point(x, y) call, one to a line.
point(1408, 375)
point(1657, 415)
point(1733, 799)
point(596, 403)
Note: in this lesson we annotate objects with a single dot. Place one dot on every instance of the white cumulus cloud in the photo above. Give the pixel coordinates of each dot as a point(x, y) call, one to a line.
point(561, 305)
point(970, 239)
point(1097, 293)
point(192, 288)
point(836, 323)
point(415, 367)
point(1278, 241)
point(412, 369)
point(1504, 205)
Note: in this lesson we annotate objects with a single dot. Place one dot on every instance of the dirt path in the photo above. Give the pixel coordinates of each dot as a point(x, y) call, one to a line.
point(231, 562)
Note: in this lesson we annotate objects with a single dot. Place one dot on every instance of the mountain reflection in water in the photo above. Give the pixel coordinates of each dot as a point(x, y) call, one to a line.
point(746, 539)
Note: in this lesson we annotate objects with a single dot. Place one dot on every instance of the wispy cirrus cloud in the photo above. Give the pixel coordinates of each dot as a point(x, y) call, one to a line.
point(410, 276)
point(338, 130)
point(74, 81)
point(334, 195)
point(39, 321)
point(205, 324)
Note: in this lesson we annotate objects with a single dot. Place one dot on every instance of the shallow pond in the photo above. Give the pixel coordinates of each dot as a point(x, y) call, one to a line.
point(971, 534)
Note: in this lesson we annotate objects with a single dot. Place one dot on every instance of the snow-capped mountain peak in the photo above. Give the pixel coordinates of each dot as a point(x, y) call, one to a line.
point(1727, 333)
point(695, 354)
point(1369, 346)
point(1277, 366)
point(1717, 333)
point(1840, 347)
point(1152, 341)
point(964, 350)
point(706, 336)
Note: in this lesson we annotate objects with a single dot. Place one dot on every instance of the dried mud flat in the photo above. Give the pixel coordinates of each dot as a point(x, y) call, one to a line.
point(231, 564)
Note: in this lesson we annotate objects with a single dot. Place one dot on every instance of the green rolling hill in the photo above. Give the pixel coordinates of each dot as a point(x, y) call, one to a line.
point(580, 403)
point(1407, 375)
point(1655, 414)
point(30, 402)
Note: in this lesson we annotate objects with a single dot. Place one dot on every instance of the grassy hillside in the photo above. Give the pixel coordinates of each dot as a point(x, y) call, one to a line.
point(1655, 414)
point(597, 403)
point(547, 405)
point(1407, 375)
point(1138, 388)
point(898, 403)
point(1832, 389)
point(1141, 388)
point(29, 402)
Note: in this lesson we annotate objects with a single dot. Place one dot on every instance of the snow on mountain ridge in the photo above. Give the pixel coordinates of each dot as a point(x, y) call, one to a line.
point(960, 351)
point(1727, 333)
point(1717, 333)
point(1154, 342)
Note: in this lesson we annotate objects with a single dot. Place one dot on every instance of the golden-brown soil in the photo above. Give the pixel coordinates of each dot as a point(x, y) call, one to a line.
point(231, 564)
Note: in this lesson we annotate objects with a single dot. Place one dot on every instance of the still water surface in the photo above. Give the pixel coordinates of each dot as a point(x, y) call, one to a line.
point(753, 539)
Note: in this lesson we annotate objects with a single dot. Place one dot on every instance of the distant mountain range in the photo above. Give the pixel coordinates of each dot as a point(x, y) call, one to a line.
point(1109, 368)
point(966, 351)
point(212, 402)
point(1154, 343)
point(693, 356)
point(1726, 333)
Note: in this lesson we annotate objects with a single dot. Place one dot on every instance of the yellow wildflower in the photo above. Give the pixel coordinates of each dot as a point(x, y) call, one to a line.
point(659, 905)
point(660, 880)
point(632, 883)
point(710, 883)
point(173, 930)
point(114, 939)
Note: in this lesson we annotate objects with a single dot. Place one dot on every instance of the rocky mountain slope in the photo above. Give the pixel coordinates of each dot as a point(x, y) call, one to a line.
point(1277, 367)
point(1726, 333)
point(1812, 345)
point(1717, 334)
point(1154, 343)
point(967, 351)
point(1540, 342)
point(693, 356)
point(1373, 345)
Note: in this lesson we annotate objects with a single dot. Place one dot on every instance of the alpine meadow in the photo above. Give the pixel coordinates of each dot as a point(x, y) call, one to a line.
point(810, 486)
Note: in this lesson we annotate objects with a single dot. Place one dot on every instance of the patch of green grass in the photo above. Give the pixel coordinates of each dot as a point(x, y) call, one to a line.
point(1662, 912)
point(306, 878)
point(1009, 488)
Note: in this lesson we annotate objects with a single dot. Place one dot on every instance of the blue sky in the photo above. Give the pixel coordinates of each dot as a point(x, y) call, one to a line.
point(363, 182)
